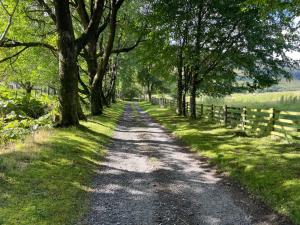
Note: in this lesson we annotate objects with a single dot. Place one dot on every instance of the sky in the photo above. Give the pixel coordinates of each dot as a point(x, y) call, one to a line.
point(294, 55)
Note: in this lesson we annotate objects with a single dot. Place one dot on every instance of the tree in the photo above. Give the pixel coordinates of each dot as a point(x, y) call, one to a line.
point(225, 43)
point(68, 48)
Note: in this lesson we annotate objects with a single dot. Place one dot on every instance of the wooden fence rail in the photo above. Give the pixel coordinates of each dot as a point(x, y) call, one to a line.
point(261, 122)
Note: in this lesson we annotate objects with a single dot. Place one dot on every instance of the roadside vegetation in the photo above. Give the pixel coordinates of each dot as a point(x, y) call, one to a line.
point(267, 167)
point(22, 114)
point(89, 53)
point(46, 178)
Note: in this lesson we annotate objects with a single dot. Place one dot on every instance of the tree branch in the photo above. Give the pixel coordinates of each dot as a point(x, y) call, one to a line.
point(92, 27)
point(43, 4)
point(9, 20)
point(85, 90)
point(127, 49)
point(103, 26)
point(8, 43)
point(81, 9)
point(14, 55)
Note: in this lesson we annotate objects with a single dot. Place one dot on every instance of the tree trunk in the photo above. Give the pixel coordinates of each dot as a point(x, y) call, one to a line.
point(96, 105)
point(81, 115)
point(193, 97)
point(28, 90)
point(96, 100)
point(179, 84)
point(67, 64)
point(149, 96)
point(149, 91)
point(103, 98)
point(195, 70)
point(113, 94)
point(184, 104)
point(102, 67)
point(112, 88)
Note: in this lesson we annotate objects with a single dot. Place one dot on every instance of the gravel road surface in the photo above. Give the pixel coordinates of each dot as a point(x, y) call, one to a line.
point(148, 178)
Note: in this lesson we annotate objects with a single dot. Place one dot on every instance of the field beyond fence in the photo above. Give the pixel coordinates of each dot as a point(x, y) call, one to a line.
point(256, 121)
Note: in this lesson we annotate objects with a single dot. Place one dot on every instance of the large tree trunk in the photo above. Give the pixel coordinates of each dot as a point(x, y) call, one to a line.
point(67, 64)
point(111, 94)
point(96, 100)
point(193, 97)
point(102, 67)
point(96, 105)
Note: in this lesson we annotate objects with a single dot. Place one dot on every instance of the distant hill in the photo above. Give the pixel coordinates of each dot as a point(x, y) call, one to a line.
point(293, 85)
point(296, 75)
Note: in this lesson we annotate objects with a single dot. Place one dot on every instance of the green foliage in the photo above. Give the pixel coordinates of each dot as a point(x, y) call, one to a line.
point(46, 179)
point(23, 114)
point(257, 163)
point(131, 93)
point(226, 49)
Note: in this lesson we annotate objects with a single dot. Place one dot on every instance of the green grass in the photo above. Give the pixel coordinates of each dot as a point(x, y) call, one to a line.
point(45, 180)
point(289, 100)
point(268, 168)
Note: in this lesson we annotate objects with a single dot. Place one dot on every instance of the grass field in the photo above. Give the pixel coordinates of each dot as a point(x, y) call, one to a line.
point(267, 168)
point(45, 180)
point(293, 85)
point(289, 101)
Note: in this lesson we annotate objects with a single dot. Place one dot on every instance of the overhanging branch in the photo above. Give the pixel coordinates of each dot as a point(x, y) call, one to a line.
point(14, 55)
point(8, 43)
point(127, 49)
point(9, 20)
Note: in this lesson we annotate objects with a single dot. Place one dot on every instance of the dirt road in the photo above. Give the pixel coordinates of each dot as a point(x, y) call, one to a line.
point(148, 178)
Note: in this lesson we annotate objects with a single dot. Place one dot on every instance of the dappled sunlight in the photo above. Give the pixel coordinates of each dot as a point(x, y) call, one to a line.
point(269, 168)
point(148, 175)
point(49, 174)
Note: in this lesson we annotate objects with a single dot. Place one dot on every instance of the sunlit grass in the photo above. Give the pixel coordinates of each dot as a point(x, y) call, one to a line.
point(268, 168)
point(289, 100)
point(45, 180)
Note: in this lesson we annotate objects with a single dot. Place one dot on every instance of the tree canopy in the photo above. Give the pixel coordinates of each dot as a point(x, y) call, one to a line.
point(96, 49)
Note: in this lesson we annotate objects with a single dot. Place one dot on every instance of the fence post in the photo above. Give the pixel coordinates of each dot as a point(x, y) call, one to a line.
point(273, 118)
point(212, 112)
point(244, 114)
point(225, 115)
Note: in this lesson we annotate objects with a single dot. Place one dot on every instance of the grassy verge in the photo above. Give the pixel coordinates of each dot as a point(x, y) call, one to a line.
point(45, 180)
point(267, 168)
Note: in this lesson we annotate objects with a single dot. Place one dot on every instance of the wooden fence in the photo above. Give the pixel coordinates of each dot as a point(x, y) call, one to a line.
point(261, 122)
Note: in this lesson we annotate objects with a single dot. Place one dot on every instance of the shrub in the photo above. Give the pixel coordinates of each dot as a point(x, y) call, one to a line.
point(20, 114)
